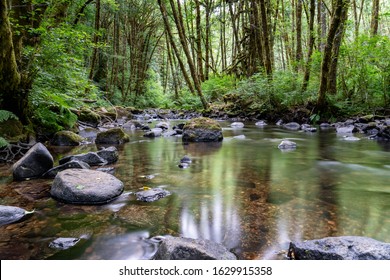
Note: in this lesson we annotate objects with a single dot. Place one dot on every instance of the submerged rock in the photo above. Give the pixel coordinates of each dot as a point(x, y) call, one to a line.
point(153, 133)
point(64, 243)
point(261, 123)
point(11, 214)
point(81, 186)
point(287, 145)
point(180, 248)
point(292, 126)
point(346, 129)
point(33, 164)
point(202, 130)
point(237, 125)
point(152, 194)
point(340, 248)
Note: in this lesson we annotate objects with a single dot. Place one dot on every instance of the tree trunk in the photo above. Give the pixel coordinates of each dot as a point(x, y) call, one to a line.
point(95, 40)
point(298, 18)
point(267, 47)
point(180, 27)
point(12, 98)
point(199, 56)
point(374, 18)
point(306, 76)
point(341, 6)
point(173, 45)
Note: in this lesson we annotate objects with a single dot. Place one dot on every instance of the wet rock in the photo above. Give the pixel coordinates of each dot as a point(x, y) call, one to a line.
point(383, 134)
point(110, 154)
point(202, 130)
point(11, 214)
point(89, 133)
point(33, 164)
point(129, 125)
point(152, 195)
point(89, 117)
point(90, 158)
point(325, 125)
point(81, 186)
point(308, 128)
point(66, 138)
point(112, 136)
point(239, 137)
point(340, 248)
point(261, 123)
point(162, 125)
point(180, 248)
point(279, 123)
point(292, 126)
point(63, 243)
point(153, 133)
point(68, 165)
point(350, 138)
point(185, 159)
point(109, 170)
point(237, 125)
point(287, 145)
point(346, 129)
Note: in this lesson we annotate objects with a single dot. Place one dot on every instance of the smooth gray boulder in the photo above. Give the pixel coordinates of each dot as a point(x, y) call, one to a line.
point(202, 130)
point(181, 248)
point(237, 125)
point(292, 126)
point(348, 129)
point(153, 133)
point(33, 164)
point(152, 194)
point(340, 248)
point(83, 186)
point(68, 165)
point(11, 214)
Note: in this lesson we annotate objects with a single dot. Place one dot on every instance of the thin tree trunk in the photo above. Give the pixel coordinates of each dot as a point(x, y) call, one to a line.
point(298, 18)
point(173, 45)
point(95, 40)
point(337, 20)
point(306, 77)
point(180, 27)
point(267, 50)
point(199, 56)
point(374, 18)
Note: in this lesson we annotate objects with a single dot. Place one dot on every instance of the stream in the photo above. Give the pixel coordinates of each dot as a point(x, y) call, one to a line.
point(244, 193)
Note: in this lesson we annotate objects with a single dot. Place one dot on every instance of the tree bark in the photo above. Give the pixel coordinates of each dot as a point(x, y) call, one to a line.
point(341, 6)
point(199, 56)
point(306, 76)
point(267, 47)
point(375, 18)
point(298, 18)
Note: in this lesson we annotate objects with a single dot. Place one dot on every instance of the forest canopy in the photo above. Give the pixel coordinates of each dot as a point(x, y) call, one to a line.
point(260, 56)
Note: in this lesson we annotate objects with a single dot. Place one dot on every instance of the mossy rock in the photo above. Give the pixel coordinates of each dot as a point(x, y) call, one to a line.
point(66, 138)
point(112, 136)
point(202, 130)
point(88, 116)
point(11, 129)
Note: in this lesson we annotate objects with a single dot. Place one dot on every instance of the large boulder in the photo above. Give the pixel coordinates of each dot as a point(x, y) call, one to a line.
point(33, 164)
point(66, 138)
point(11, 214)
point(202, 130)
point(82, 186)
point(89, 117)
point(340, 248)
point(112, 136)
point(180, 248)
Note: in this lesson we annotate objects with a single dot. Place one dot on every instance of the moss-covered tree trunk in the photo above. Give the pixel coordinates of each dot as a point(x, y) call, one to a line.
point(11, 98)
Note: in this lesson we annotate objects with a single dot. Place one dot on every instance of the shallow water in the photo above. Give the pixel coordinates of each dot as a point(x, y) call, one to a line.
point(244, 193)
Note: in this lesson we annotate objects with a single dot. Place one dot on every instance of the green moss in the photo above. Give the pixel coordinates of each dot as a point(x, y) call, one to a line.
point(87, 115)
point(203, 123)
point(112, 136)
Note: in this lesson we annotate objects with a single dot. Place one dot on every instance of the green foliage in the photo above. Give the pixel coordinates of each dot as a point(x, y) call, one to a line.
point(364, 76)
point(62, 80)
point(7, 115)
point(3, 142)
point(218, 86)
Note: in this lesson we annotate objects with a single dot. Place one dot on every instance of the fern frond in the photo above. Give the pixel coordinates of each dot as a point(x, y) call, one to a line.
point(7, 115)
point(3, 142)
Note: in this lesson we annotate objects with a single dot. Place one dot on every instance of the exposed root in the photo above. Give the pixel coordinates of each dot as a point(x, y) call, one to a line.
point(13, 152)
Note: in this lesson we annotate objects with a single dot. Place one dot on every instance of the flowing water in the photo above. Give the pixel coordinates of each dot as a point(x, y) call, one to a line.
point(244, 193)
